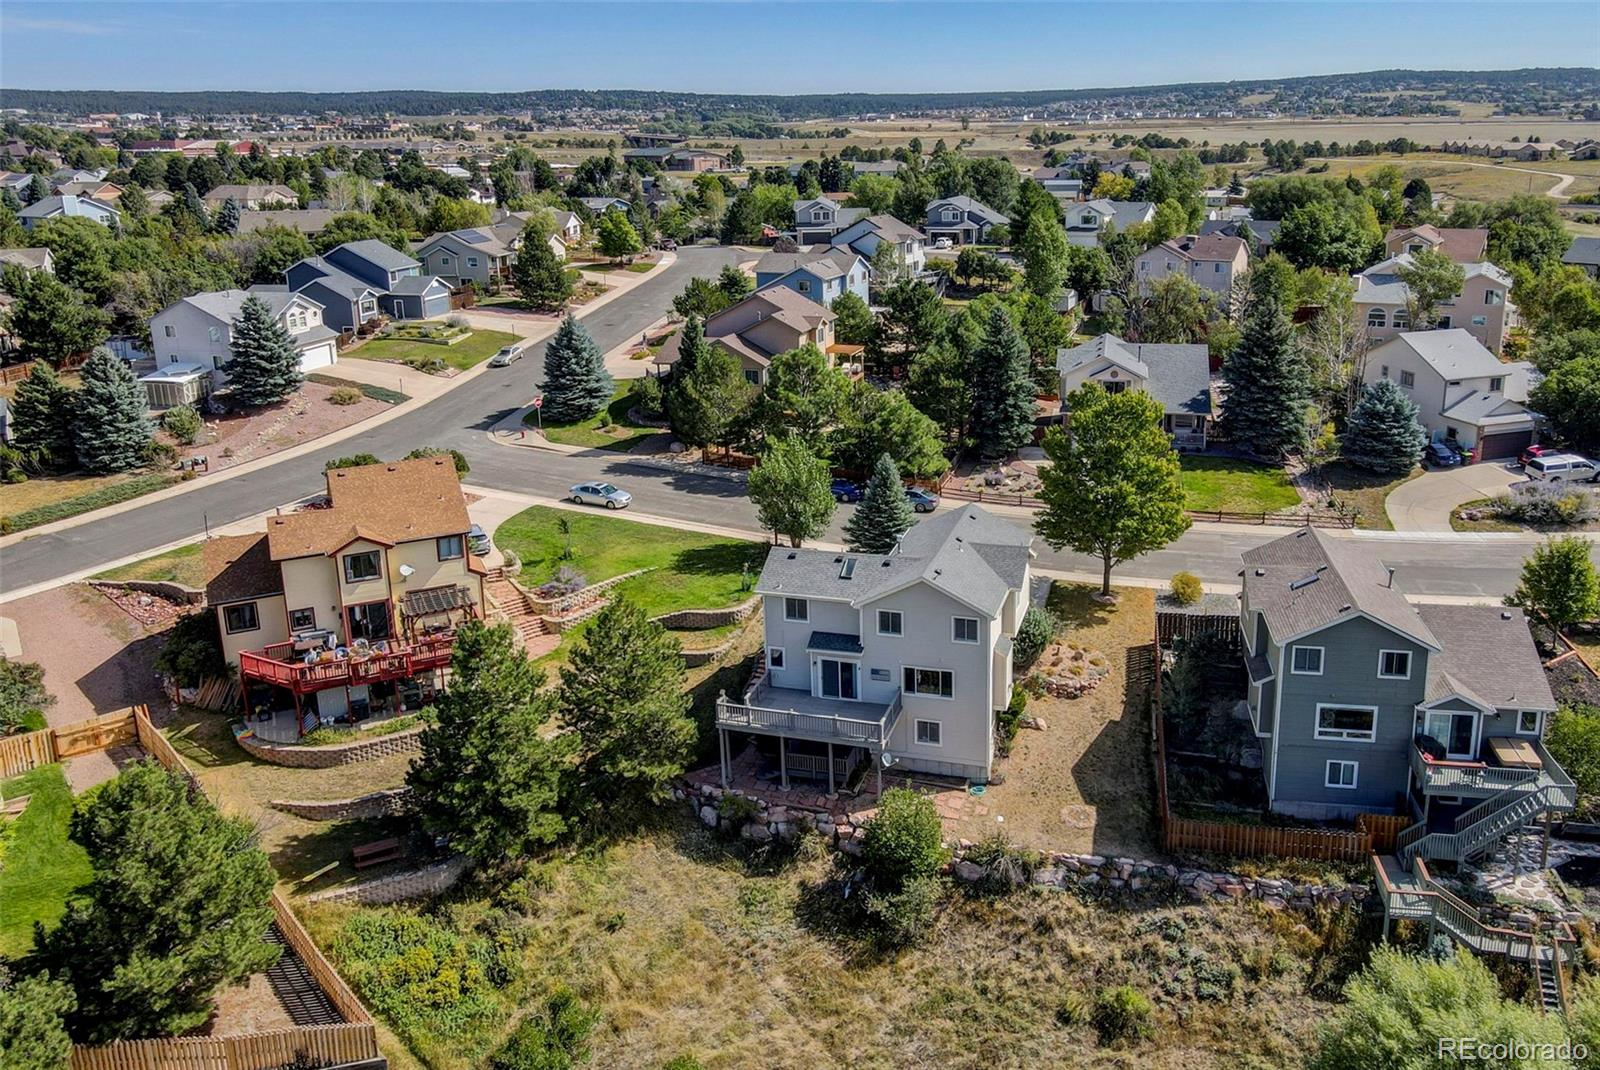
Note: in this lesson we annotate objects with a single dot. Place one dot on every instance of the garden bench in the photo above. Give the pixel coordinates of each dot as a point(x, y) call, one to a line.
point(379, 851)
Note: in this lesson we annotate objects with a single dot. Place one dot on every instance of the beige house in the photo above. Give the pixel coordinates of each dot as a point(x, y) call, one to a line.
point(1483, 307)
point(1464, 245)
point(1465, 395)
point(1177, 375)
point(348, 611)
point(1211, 261)
point(755, 330)
point(251, 196)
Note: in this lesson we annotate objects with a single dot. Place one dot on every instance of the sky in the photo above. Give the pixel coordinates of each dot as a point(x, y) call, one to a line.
point(763, 47)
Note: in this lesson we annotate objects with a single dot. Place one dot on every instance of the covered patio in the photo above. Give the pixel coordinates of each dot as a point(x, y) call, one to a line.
point(828, 730)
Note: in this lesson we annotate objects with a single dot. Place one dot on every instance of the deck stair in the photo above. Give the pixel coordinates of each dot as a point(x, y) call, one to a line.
point(1486, 825)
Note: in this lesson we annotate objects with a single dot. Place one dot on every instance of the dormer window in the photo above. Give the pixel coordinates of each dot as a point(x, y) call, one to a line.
point(819, 215)
point(951, 215)
point(1497, 384)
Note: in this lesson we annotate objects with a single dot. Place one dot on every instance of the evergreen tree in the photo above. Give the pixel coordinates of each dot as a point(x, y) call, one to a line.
point(194, 207)
point(177, 908)
point(33, 1031)
point(855, 323)
point(576, 384)
point(707, 393)
point(10, 201)
point(913, 319)
point(265, 368)
point(792, 489)
point(884, 513)
point(541, 278)
point(113, 415)
point(42, 414)
point(1002, 389)
point(37, 190)
point(1269, 387)
point(50, 318)
point(134, 204)
point(622, 700)
point(1382, 433)
point(227, 221)
point(488, 775)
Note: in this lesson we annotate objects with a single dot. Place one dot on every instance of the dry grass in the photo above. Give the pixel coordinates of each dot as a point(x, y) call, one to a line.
point(47, 490)
point(1477, 179)
point(1084, 783)
point(687, 948)
point(181, 565)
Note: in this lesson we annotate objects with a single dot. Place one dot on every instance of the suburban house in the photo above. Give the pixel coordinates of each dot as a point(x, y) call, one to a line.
point(1177, 375)
point(96, 189)
point(1465, 396)
point(477, 254)
point(253, 196)
point(961, 219)
point(356, 281)
point(1365, 703)
point(1584, 253)
point(1087, 222)
point(1483, 306)
point(677, 158)
point(755, 330)
point(1062, 183)
point(1514, 150)
point(348, 611)
point(569, 228)
point(68, 207)
point(29, 258)
point(867, 234)
point(1212, 262)
point(819, 219)
point(1464, 245)
point(821, 274)
point(888, 660)
point(599, 206)
point(307, 221)
point(191, 340)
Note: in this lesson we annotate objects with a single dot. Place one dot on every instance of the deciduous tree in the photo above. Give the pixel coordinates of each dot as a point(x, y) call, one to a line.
point(1559, 584)
point(855, 323)
point(1569, 397)
point(616, 237)
point(804, 398)
point(1431, 279)
point(49, 318)
point(792, 491)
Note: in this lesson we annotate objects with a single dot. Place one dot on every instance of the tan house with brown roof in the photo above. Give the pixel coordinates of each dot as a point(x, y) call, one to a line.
point(1210, 261)
point(755, 330)
point(350, 610)
point(1464, 245)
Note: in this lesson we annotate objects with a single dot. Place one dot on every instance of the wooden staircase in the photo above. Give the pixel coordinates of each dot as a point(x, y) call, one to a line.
point(512, 603)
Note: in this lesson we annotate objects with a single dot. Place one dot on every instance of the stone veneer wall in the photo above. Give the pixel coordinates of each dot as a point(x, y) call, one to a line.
point(375, 804)
point(406, 741)
point(412, 884)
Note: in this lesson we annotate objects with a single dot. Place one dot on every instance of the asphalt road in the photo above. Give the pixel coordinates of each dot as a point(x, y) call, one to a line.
point(461, 418)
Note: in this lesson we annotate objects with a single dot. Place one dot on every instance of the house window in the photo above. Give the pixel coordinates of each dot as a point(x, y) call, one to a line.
point(1414, 247)
point(930, 733)
point(369, 621)
point(1443, 324)
point(1497, 384)
point(890, 622)
point(1358, 724)
point(302, 619)
point(951, 215)
point(1306, 660)
point(472, 261)
point(171, 331)
point(1394, 664)
point(804, 284)
point(444, 261)
point(449, 547)
point(931, 683)
point(214, 334)
point(1408, 379)
point(364, 566)
point(297, 320)
point(1384, 371)
point(1529, 722)
point(369, 307)
point(1216, 268)
point(241, 618)
point(775, 657)
point(1376, 317)
point(965, 629)
point(1493, 297)
point(796, 609)
point(1341, 774)
point(1402, 318)
point(819, 215)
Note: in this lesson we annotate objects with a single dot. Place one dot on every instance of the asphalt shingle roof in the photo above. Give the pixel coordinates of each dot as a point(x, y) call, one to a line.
point(376, 252)
point(237, 567)
point(1452, 353)
point(1175, 374)
point(1582, 251)
point(1489, 654)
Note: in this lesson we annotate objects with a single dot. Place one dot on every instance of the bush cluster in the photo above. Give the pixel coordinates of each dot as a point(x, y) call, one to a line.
point(1547, 505)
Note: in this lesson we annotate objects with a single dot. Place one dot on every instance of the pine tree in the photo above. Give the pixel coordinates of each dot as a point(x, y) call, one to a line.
point(1269, 388)
point(177, 908)
point(884, 513)
point(112, 415)
point(227, 221)
point(37, 190)
point(133, 203)
point(265, 368)
point(576, 384)
point(42, 414)
point(1383, 434)
point(1002, 390)
point(195, 207)
point(540, 276)
point(707, 392)
point(622, 700)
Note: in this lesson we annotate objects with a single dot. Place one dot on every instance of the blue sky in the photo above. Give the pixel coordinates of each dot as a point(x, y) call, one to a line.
point(760, 46)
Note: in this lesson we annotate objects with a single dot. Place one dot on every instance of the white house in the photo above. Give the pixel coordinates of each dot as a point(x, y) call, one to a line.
point(1465, 395)
point(191, 340)
point(898, 659)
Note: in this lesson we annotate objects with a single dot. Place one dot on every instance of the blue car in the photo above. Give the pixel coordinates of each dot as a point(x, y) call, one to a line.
point(1439, 455)
point(846, 491)
point(921, 501)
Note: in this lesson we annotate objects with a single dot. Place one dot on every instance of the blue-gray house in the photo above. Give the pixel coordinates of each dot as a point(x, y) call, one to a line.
point(357, 280)
point(821, 275)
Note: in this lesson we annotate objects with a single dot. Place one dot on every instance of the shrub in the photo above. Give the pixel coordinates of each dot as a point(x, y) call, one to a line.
point(355, 460)
point(1033, 635)
point(345, 395)
point(901, 917)
point(160, 454)
point(1006, 867)
point(735, 810)
point(904, 841)
point(1121, 1013)
point(1547, 505)
point(1009, 718)
point(458, 321)
point(567, 580)
point(460, 459)
point(1187, 588)
point(193, 650)
point(182, 423)
point(554, 1038)
point(22, 693)
point(1573, 737)
point(647, 395)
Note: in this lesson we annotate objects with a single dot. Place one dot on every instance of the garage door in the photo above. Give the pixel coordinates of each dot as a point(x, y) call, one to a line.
point(437, 305)
point(317, 356)
point(1505, 444)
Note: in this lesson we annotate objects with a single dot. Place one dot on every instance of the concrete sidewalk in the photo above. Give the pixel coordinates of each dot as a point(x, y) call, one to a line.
point(1425, 503)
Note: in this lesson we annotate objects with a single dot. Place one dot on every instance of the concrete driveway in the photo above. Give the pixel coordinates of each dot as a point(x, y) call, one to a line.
point(1424, 504)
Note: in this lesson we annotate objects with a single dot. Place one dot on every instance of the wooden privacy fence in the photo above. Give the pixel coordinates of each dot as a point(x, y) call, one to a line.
point(322, 1045)
point(1215, 837)
point(338, 992)
point(1383, 828)
point(30, 750)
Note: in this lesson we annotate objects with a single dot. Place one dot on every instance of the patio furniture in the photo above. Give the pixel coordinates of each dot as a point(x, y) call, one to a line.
point(376, 853)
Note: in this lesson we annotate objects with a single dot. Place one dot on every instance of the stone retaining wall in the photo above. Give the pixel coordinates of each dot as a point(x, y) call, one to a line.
point(172, 592)
point(689, 620)
point(1059, 870)
point(557, 607)
point(412, 884)
point(376, 804)
point(406, 741)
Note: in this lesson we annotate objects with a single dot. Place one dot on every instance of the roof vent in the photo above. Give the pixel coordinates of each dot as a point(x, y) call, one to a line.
point(1345, 608)
point(837, 560)
point(1505, 614)
point(1261, 572)
point(792, 556)
point(884, 563)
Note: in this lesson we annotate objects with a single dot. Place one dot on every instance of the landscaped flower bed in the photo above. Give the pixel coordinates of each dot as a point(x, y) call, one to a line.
point(438, 334)
point(1070, 670)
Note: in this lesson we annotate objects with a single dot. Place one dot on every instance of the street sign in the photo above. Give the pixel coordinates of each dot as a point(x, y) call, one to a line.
point(538, 401)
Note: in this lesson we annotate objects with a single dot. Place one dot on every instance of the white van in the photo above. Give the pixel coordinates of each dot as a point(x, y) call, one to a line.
point(1562, 468)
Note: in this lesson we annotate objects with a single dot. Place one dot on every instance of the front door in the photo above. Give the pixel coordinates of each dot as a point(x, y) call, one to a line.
point(838, 678)
point(1455, 730)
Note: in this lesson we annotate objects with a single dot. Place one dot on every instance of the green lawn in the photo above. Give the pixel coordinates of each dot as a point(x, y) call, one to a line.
point(1235, 486)
point(616, 434)
point(183, 565)
point(463, 355)
point(39, 866)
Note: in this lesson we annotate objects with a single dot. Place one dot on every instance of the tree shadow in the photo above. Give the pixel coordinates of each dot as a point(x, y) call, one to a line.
point(720, 559)
point(1075, 605)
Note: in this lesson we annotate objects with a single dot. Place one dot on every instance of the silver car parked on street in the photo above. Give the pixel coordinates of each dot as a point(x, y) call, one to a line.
point(600, 494)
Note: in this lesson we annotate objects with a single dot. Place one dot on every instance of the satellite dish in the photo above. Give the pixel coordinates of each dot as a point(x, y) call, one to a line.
point(406, 570)
point(886, 758)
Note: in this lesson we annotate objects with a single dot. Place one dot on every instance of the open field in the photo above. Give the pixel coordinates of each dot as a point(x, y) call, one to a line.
point(1475, 179)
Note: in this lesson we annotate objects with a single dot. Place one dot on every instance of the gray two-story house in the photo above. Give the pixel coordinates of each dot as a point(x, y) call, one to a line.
point(1365, 703)
point(962, 220)
point(898, 659)
point(823, 274)
point(356, 281)
point(819, 219)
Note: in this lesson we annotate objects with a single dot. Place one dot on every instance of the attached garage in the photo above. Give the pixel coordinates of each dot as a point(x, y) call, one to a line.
point(1503, 444)
point(321, 355)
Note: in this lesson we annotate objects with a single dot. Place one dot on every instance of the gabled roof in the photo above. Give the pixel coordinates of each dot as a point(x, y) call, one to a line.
point(1488, 658)
point(1308, 581)
point(890, 228)
point(491, 240)
point(46, 207)
point(1201, 248)
point(226, 305)
point(376, 252)
point(1381, 283)
point(826, 263)
point(969, 207)
point(1177, 375)
point(417, 284)
point(1461, 244)
point(32, 259)
point(1121, 214)
point(253, 191)
point(237, 567)
point(782, 304)
point(968, 554)
point(385, 503)
point(338, 280)
point(1452, 353)
point(1479, 408)
point(1584, 251)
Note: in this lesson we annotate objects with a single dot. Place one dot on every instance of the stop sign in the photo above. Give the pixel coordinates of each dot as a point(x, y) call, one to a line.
point(538, 401)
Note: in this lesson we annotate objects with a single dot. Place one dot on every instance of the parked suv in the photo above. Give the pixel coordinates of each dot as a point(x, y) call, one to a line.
point(1562, 468)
